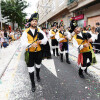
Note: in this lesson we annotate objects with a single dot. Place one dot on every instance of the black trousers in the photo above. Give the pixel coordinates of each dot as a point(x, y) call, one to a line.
point(64, 46)
point(87, 55)
point(35, 58)
point(54, 42)
point(46, 50)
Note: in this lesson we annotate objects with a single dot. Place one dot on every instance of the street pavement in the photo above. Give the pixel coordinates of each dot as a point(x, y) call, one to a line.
point(59, 81)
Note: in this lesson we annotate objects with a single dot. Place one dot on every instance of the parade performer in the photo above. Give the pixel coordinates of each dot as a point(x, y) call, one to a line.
point(63, 36)
point(32, 38)
point(82, 41)
point(46, 48)
point(54, 42)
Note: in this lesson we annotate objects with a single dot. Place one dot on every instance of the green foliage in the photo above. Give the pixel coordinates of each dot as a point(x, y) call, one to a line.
point(13, 11)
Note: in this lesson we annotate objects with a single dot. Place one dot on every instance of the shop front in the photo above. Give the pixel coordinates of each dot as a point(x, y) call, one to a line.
point(93, 20)
point(80, 20)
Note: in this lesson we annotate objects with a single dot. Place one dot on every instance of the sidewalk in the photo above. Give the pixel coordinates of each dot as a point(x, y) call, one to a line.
point(6, 54)
point(93, 70)
point(9, 59)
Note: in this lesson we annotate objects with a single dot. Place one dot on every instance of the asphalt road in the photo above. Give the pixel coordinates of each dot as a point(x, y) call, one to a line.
point(58, 82)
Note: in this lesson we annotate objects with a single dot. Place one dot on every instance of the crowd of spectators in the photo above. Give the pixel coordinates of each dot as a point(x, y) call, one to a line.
point(6, 37)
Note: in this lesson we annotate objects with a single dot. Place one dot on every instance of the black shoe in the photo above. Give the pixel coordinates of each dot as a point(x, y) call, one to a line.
point(33, 87)
point(82, 76)
point(53, 52)
point(38, 79)
point(32, 81)
point(61, 57)
point(67, 58)
point(61, 60)
point(86, 71)
point(58, 55)
point(81, 73)
point(57, 52)
point(38, 74)
point(68, 62)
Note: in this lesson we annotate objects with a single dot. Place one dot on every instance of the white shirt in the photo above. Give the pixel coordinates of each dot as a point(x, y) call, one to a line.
point(60, 39)
point(94, 36)
point(12, 33)
point(50, 33)
point(24, 39)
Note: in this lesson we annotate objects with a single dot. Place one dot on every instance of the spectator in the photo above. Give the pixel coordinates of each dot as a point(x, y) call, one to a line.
point(93, 33)
point(89, 27)
point(84, 30)
point(18, 34)
point(5, 34)
point(12, 35)
point(2, 37)
point(98, 38)
point(97, 27)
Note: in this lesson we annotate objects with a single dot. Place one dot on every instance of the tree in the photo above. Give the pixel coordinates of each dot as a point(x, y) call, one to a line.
point(13, 11)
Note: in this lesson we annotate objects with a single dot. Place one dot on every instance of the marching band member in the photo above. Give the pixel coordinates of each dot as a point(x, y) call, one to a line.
point(82, 41)
point(63, 36)
point(54, 42)
point(34, 36)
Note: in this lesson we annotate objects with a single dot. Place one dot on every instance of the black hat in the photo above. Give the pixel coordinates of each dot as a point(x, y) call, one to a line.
point(61, 23)
point(73, 25)
point(55, 23)
point(34, 16)
point(44, 28)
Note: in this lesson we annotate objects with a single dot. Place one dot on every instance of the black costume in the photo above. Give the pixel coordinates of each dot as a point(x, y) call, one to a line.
point(46, 53)
point(54, 42)
point(84, 52)
point(30, 36)
point(63, 42)
point(73, 25)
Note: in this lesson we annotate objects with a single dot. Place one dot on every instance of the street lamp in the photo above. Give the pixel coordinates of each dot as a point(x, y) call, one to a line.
point(46, 6)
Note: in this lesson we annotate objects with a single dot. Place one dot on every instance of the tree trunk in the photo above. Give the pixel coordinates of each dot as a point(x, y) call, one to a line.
point(13, 26)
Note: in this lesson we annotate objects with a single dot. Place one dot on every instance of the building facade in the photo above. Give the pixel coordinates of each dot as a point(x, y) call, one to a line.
point(86, 12)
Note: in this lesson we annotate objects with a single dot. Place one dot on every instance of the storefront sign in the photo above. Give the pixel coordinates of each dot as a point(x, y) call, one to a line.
point(79, 17)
